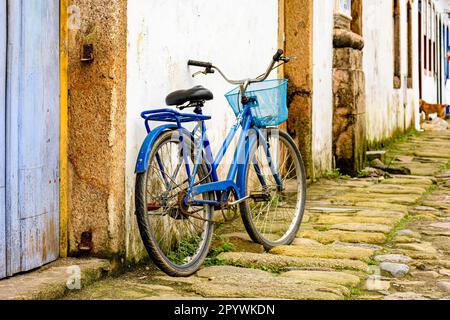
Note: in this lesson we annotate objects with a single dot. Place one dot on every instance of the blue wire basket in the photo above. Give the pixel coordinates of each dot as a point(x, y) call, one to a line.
point(269, 106)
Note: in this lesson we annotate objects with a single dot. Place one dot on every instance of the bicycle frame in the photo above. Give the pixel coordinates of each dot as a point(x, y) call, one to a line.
point(235, 180)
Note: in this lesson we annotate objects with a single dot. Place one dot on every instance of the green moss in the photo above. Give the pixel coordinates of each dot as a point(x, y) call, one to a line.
point(333, 174)
point(223, 245)
point(398, 136)
point(355, 293)
point(400, 226)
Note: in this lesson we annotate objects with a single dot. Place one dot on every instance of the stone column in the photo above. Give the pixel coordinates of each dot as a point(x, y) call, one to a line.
point(97, 122)
point(349, 94)
point(298, 29)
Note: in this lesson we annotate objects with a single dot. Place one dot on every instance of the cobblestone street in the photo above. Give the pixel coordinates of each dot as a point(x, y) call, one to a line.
point(366, 238)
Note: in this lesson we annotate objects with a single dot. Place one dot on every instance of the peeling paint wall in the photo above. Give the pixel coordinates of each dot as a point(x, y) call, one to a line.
point(238, 36)
point(97, 112)
point(388, 110)
point(322, 110)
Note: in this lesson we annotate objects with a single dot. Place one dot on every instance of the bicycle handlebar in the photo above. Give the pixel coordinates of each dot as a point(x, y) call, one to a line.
point(200, 64)
point(209, 67)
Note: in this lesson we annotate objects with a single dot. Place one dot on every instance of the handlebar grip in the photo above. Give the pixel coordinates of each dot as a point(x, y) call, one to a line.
point(200, 64)
point(278, 55)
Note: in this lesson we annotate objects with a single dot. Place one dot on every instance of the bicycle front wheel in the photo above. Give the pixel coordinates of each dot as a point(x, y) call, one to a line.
point(177, 236)
point(276, 186)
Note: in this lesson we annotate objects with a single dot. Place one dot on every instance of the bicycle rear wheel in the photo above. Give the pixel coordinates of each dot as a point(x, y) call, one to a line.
point(176, 236)
point(273, 214)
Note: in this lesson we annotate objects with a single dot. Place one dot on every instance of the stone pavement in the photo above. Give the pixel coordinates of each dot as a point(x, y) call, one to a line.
point(368, 238)
point(54, 280)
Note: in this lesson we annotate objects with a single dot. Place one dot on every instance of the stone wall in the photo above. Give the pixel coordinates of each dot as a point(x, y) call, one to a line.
point(97, 111)
point(349, 99)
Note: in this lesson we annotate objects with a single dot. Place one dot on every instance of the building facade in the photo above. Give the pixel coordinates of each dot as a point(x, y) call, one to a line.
point(361, 68)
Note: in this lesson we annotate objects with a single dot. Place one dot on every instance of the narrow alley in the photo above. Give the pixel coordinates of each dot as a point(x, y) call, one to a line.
point(362, 238)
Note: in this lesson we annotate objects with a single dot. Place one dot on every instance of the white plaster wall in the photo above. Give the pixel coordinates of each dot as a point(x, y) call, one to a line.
point(388, 110)
point(238, 36)
point(322, 110)
point(430, 81)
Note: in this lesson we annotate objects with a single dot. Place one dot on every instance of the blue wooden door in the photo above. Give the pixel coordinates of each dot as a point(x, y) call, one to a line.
point(2, 137)
point(32, 134)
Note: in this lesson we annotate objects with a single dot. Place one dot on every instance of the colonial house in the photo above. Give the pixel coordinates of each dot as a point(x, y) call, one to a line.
point(76, 74)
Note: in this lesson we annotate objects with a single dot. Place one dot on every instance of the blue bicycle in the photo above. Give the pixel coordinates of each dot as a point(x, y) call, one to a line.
point(178, 187)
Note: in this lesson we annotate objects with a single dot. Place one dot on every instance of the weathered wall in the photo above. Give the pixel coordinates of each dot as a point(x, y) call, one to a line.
point(238, 36)
point(349, 96)
point(322, 99)
point(299, 28)
point(388, 110)
point(97, 110)
point(430, 83)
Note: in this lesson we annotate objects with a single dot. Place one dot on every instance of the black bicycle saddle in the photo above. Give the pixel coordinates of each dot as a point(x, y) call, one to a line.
point(180, 97)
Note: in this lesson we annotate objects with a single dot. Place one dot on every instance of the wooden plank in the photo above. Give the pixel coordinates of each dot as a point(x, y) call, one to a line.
point(39, 134)
point(64, 132)
point(13, 101)
point(2, 138)
point(33, 133)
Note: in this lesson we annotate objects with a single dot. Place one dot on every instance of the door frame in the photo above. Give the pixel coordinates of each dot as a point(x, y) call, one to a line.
point(3, 47)
point(64, 131)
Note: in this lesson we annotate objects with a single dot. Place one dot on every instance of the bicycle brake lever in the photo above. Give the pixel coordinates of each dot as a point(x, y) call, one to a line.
point(198, 73)
point(288, 59)
point(205, 72)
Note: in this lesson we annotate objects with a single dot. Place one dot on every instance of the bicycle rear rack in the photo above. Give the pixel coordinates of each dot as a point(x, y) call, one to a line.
point(169, 115)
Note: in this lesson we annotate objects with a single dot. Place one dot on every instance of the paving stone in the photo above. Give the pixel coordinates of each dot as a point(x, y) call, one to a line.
point(357, 245)
point(445, 272)
point(408, 181)
point(373, 283)
point(423, 247)
point(405, 296)
point(255, 260)
point(396, 258)
point(238, 235)
point(51, 282)
point(327, 252)
point(397, 270)
point(425, 274)
point(435, 232)
point(333, 210)
point(383, 206)
point(424, 208)
point(441, 225)
point(408, 233)
point(304, 241)
point(445, 175)
point(365, 227)
point(396, 189)
point(356, 198)
point(340, 278)
point(327, 237)
point(405, 239)
point(333, 219)
point(444, 285)
point(233, 282)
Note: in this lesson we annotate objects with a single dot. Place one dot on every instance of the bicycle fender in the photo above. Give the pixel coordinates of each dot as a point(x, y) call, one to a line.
point(144, 153)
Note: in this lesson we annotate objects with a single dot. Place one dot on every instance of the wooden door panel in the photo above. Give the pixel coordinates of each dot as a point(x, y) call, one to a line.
point(2, 138)
point(33, 134)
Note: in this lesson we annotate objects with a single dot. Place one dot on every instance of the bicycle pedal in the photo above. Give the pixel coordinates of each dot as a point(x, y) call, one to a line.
point(260, 197)
point(153, 206)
